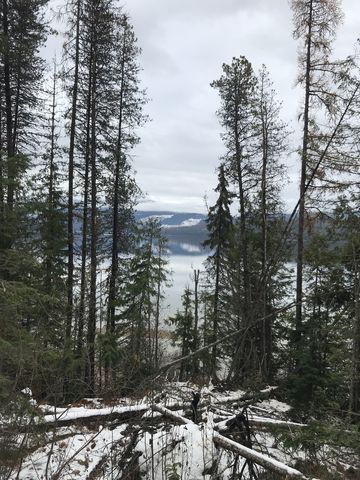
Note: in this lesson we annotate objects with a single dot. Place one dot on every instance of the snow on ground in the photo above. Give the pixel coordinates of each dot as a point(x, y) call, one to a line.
point(185, 451)
point(73, 457)
point(272, 405)
point(157, 445)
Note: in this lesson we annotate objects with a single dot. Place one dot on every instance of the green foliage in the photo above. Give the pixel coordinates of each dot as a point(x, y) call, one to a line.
point(109, 349)
point(135, 343)
point(171, 471)
point(317, 439)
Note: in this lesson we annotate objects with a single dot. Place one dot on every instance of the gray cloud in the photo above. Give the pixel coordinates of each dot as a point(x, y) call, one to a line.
point(184, 44)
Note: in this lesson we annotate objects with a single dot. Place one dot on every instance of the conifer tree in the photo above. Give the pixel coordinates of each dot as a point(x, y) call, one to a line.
point(139, 296)
point(272, 144)
point(255, 139)
point(236, 89)
point(23, 32)
point(219, 225)
point(184, 329)
point(128, 102)
point(315, 23)
point(73, 48)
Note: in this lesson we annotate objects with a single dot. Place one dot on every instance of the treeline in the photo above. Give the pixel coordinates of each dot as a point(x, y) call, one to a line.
point(77, 274)
point(257, 331)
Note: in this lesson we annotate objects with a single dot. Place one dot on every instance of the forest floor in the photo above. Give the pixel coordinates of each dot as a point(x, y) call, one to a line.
point(181, 432)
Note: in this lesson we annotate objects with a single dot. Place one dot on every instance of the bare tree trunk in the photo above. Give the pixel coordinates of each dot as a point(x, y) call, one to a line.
point(301, 216)
point(355, 378)
point(70, 213)
point(242, 358)
point(84, 246)
point(91, 333)
point(157, 311)
point(49, 260)
point(115, 219)
point(196, 316)
point(266, 333)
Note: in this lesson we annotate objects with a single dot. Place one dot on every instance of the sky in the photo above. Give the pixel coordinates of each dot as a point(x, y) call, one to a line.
point(184, 44)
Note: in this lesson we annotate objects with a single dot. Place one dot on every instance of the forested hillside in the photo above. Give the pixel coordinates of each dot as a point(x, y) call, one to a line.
point(257, 375)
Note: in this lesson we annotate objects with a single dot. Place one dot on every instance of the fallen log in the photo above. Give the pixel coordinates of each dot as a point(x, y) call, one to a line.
point(248, 453)
point(256, 421)
point(257, 457)
point(170, 414)
point(72, 416)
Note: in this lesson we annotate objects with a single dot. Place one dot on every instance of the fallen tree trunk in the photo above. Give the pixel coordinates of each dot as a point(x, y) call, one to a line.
point(259, 422)
point(170, 414)
point(248, 453)
point(258, 458)
point(71, 416)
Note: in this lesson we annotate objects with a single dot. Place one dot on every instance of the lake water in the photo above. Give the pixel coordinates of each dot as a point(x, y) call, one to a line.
point(182, 266)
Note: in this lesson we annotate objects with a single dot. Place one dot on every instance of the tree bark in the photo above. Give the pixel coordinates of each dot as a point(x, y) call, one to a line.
point(91, 333)
point(301, 216)
point(70, 212)
point(355, 378)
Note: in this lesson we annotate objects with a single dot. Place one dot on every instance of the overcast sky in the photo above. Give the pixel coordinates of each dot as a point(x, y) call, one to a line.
point(184, 44)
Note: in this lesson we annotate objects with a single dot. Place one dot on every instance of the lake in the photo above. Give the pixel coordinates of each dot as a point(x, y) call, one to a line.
point(188, 257)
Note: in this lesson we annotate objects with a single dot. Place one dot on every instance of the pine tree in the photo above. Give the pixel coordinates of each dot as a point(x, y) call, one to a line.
point(49, 230)
point(236, 88)
point(75, 8)
point(347, 220)
point(315, 24)
point(129, 100)
point(272, 144)
point(184, 329)
point(139, 296)
point(219, 225)
point(255, 139)
point(23, 32)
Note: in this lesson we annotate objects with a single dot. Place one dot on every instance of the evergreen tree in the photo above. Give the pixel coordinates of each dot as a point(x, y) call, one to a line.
point(139, 296)
point(236, 88)
point(219, 225)
point(74, 18)
point(122, 191)
point(24, 301)
point(184, 333)
point(315, 24)
point(255, 139)
point(268, 212)
point(348, 223)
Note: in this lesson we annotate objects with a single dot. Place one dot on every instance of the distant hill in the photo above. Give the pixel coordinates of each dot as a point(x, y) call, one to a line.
point(185, 231)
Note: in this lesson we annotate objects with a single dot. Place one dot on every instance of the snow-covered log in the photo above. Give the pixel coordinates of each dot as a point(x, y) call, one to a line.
point(248, 453)
point(82, 414)
point(257, 457)
point(256, 421)
point(170, 414)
